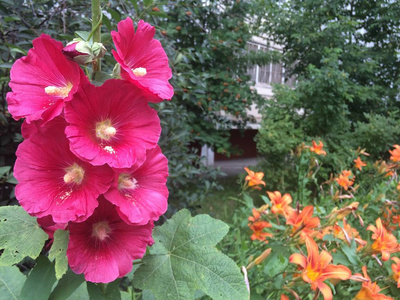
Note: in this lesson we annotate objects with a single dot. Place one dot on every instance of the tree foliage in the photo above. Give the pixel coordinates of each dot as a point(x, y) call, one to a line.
point(344, 55)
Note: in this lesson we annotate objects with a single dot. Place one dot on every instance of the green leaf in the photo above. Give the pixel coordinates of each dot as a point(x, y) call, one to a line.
point(102, 291)
point(147, 2)
point(67, 286)
point(58, 252)
point(40, 281)
point(11, 282)
point(277, 261)
point(16, 226)
point(84, 35)
point(114, 14)
point(351, 253)
point(184, 259)
point(135, 5)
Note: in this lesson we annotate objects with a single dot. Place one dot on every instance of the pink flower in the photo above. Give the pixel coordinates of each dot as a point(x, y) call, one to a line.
point(48, 225)
point(143, 60)
point(111, 124)
point(42, 81)
point(140, 193)
point(104, 246)
point(53, 181)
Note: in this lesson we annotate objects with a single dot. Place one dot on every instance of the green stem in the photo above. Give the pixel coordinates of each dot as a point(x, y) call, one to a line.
point(96, 15)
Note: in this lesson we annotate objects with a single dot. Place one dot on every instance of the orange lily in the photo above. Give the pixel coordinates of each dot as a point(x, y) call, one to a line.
point(369, 290)
point(280, 204)
point(385, 243)
point(395, 153)
point(316, 268)
point(303, 221)
point(396, 270)
point(339, 214)
point(345, 233)
point(254, 178)
point(317, 148)
point(344, 181)
point(257, 226)
point(359, 163)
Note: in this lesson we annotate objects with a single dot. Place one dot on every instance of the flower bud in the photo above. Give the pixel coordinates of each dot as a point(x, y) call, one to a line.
point(83, 52)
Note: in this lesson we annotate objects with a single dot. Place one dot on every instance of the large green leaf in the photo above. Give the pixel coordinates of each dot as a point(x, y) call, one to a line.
point(101, 291)
point(184, 259)
point(68, 286)
point(58, 252)
point(16, 226)
point(40, 281)
point(11, 282)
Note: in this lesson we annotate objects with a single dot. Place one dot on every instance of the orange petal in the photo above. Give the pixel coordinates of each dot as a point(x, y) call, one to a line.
point(325, 290)
point(298, 259)
point(337, 272)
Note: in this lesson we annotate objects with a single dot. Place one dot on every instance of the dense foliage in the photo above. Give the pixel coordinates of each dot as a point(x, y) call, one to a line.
point(344, 55)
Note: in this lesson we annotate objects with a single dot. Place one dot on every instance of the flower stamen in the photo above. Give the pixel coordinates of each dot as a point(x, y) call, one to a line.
point(74, 174)
point(58, 91)
point(127, 182)
point(139, 72)
point(101, 230)
point(105, 130)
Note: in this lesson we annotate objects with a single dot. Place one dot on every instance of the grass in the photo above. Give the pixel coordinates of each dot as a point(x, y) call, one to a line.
point(218, 203)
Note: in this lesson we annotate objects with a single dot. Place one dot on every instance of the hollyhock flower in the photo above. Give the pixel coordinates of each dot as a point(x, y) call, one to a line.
point(104, 246)
point(317, 148)
point(42, 81)
point(359, 163)
point(257, 226)
point(49, 226)
point(254, 178)
point(303, 221)
point(369, 290)
point(396, 270)
point(316, 268)
point(112, 124)
point(143, 60)
point(395, 153)
point(344, 179)
point(140, 192)
point(280, 204)
point(53, 181)
point(385, 243)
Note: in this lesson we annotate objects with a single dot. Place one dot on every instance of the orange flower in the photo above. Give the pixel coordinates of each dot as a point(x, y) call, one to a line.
point(316, 268)
point(396, 270)
point(385, 243)
point(254, 179)
point(257, 226)
point(344, 179)
point(369, 290)
point(303, 221)
point(317, 148)
point(280, 204)
point(359, 163)
point(395, 153)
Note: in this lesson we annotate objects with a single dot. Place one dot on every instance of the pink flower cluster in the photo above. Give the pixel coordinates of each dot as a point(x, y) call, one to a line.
point(90, 162)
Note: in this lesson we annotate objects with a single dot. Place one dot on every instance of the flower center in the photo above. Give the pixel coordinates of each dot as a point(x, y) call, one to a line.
point(74, 174)
point(125, 181)
point(61, 92)
point(105, 130)
point(312, 274)
point(139, 72)
point(101, 230)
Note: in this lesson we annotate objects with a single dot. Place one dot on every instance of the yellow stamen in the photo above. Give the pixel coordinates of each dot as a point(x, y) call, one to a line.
point(58, 91)
point(74, 174)
point(105, 130)
point(101, 230)
point(139, 72)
